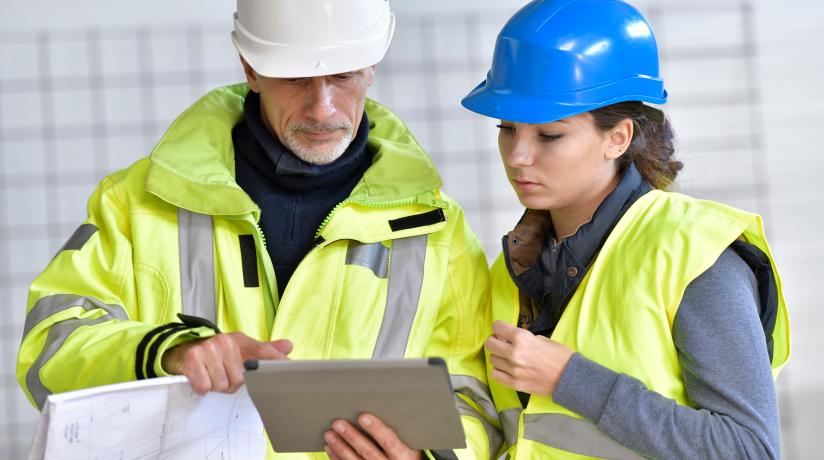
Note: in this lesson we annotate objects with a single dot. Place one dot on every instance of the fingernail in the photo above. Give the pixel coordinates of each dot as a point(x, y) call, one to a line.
point(339, 427)
point(329, 437)
point(365, 420)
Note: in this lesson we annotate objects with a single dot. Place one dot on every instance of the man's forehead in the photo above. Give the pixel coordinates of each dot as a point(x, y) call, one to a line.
point(347, 73)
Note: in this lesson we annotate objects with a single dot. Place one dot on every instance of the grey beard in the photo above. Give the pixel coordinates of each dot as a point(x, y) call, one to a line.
point(323, 154)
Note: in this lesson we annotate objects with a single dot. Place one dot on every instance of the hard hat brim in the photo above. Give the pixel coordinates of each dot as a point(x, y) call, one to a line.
point(532, 108)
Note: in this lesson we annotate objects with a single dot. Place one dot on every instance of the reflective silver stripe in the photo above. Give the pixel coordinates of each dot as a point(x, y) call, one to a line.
point(50, 305)
point(475, 390)
point(57, 335)
point(197, 265)
point(373, 256)
point(509, 422)
point(574, 435)
point(445, 454)
point(406, 268)
point(78, 238)
point(493, 435)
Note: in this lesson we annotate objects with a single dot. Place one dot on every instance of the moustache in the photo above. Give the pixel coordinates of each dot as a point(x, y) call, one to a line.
point(319, 127)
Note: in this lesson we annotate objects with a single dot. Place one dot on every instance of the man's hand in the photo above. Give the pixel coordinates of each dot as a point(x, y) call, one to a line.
point(346, 442)
point(526, 362)
point(216, 363)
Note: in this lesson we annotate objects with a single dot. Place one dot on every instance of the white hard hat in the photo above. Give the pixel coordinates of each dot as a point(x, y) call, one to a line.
point(308, 38)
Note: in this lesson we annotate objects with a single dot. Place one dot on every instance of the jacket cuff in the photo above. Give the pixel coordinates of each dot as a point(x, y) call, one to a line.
point(176, 339)
point(585, 387)
point(149, 353)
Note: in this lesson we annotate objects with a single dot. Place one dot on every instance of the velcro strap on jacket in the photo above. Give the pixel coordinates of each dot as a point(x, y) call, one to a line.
point(418, 220)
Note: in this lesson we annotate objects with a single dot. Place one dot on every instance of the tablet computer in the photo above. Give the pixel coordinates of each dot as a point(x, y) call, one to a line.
point(299, 400)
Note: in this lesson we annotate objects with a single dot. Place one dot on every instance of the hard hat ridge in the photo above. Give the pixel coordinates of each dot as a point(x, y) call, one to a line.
point(307, 38)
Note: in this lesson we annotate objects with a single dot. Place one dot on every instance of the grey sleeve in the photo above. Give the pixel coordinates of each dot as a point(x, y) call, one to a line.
point(726, 371)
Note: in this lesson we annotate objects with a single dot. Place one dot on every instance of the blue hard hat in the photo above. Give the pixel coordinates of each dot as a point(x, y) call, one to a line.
point(558, 58)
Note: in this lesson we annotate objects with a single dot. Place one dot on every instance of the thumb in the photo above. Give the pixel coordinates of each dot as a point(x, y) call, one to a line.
point(284, 346)
point(253, 349)
point(276, 349)
point(504, 330)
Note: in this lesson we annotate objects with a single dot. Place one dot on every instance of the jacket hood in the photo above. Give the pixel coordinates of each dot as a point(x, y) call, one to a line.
point(193, 165)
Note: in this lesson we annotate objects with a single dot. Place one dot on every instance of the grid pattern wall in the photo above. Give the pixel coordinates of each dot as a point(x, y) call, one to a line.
point(75, 105)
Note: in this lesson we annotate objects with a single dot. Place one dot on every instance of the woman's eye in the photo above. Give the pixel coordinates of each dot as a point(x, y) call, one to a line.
point(549, 137)
point(506, 128)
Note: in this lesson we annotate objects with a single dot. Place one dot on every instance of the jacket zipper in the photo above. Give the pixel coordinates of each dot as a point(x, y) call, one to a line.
point(376, 205)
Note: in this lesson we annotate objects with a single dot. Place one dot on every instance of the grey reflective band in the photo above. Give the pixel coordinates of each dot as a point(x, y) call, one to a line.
point(53, 304)
point(475, 390)
point(478, 392)
point(58, 333)
point(197, 265)
point(406, 268)
point(444, 454)
point(493, 435)
point(78, 238)
point(574, 435)
point(373, 256)
point(509, 422)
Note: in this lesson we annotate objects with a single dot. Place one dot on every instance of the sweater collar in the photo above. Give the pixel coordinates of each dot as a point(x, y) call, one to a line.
point(278, 164)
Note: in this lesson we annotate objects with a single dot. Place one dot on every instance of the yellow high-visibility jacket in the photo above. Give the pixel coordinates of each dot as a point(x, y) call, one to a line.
point(395, 272)
point(621, 316)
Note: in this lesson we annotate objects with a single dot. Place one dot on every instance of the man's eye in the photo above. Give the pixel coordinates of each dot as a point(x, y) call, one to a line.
point(344, 76)
point(506, 128)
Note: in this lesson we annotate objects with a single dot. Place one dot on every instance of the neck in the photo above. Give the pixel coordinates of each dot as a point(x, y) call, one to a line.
point(265, 120)
point(567, 220)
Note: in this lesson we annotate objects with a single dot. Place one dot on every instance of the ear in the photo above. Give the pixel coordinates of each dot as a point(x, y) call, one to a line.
point(251, 76)
point(370, 74)
point(618, 139)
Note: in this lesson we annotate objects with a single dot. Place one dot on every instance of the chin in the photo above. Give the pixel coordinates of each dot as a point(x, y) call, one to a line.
point(536, 202)
point(319, 153)
point(318, 157)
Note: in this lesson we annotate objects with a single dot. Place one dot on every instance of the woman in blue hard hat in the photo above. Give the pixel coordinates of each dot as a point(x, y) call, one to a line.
point(631, 322)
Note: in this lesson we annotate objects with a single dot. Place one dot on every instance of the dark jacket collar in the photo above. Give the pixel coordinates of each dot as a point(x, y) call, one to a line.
point(533, 235)
point(278, 164)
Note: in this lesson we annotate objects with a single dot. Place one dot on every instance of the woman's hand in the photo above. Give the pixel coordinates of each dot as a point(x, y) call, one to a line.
point(526, 362)
point(346, 442)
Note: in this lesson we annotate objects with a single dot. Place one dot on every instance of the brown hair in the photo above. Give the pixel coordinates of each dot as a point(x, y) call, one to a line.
point(651, 147)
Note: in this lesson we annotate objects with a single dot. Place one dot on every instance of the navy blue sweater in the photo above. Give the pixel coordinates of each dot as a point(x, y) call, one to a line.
point(294, 196)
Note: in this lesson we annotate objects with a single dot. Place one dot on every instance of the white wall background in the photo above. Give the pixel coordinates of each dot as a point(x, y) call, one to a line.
point(87, 86)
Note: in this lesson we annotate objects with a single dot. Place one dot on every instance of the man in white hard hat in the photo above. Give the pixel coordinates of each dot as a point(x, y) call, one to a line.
point(290, 207)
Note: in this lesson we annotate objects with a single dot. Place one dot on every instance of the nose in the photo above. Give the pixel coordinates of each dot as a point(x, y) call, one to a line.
point(321, 104)
point(519, 153)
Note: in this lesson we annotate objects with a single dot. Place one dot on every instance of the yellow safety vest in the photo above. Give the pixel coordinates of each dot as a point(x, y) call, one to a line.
point(663, 242)
point(395, 272)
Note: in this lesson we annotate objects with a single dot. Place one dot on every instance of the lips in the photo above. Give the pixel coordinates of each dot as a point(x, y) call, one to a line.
point(524, 185)
point(319, 135)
